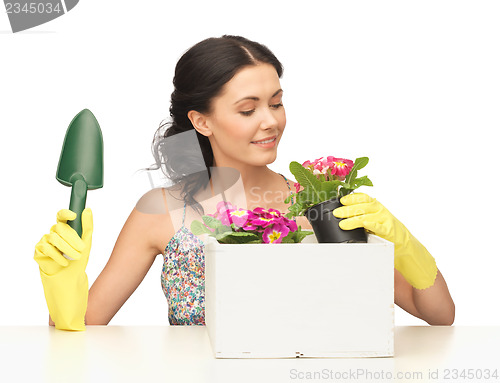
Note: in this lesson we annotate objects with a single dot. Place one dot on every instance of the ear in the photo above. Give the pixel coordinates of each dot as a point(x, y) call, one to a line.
point(199, 121)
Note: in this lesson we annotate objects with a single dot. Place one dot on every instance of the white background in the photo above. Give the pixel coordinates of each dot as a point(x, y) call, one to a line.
point(415, 86)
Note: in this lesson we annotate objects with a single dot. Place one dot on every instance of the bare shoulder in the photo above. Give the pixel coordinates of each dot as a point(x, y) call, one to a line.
point(152, 202)
point(151, 219)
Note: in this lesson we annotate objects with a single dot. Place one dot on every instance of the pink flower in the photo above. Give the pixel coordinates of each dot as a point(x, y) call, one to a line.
point(239, 217)
point(270, 224)
point(291, 224)
point(259, 220)
point(307, 164)
point(274, 212)
point(263, 222)
point(223, 206)
point(319, 164)
point(250, 227)
point(297, 187)
point(223, 213)
point(275, 233)
point(339, 166)
point(260, 211)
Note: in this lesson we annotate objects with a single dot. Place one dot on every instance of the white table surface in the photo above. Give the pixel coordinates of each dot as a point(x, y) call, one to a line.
point(183, 354)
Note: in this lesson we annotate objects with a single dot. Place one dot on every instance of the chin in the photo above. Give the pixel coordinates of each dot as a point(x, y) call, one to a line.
point(270, 159)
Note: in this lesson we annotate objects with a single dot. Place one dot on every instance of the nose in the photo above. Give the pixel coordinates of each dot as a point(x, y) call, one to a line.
point(269, 121)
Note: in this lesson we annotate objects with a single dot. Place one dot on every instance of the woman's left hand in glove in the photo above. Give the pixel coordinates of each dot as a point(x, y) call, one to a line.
point(411, 258)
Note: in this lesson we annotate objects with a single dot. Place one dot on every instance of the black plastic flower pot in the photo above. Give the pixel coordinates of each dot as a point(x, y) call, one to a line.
point(326, 225)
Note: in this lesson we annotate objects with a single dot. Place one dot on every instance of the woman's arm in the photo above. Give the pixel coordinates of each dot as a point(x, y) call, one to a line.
point(433, 305)
point(135, 251)
point(141, 239)
point(419, 286)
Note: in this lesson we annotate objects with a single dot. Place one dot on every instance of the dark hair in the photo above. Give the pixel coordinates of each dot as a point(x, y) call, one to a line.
point(200, 75)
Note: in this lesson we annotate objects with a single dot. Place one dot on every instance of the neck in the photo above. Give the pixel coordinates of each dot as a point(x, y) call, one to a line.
point(253, 177)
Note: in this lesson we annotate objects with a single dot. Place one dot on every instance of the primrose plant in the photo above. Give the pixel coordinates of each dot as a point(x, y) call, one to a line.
point(324, 179)
point(231, 225)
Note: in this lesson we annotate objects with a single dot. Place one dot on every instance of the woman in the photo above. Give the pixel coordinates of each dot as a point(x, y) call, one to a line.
point(228, 90)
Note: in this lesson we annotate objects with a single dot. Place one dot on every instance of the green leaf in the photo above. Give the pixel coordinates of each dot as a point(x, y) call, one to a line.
point(295, 209)
point(198, 228)
point(358, 182)
point(229, 240)
point(362, 181)
point(344, 191)
point(211, 222)
point(305, 178)
point(235, 234)
point(360, 163)
point(311, 195)
point(238, 237)
point(329, 189)
point(224, 229)
point(300, 235)
point(243, 234)
point(304, 196)
point(290, 237)
point(299, 208)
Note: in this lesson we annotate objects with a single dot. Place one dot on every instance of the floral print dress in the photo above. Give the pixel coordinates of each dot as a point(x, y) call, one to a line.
point(183, 277)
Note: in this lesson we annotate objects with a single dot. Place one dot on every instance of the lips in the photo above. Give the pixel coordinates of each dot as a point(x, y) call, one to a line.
point(265, 140)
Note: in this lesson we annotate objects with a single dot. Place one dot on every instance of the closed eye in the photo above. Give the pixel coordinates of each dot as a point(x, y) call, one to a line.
point(249, 112)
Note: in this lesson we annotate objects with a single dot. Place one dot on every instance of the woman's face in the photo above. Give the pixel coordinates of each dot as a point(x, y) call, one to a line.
point(248, 111)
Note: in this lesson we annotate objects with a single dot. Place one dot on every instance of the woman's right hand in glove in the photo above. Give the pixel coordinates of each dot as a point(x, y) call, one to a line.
point(62, 257)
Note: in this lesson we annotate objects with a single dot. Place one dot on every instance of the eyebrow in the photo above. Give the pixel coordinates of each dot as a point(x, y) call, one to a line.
point(257, 99)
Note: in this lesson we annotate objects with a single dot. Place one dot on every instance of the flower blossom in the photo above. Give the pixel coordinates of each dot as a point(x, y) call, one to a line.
point(275, 233)
point(224, 212)
point(339, 166)
point(266, 225)
point(238, 216)
point(330, 167)
point(270, 222)
point(297, 187)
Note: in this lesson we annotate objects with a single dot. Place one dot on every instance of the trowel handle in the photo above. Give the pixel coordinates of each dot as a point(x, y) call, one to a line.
point(77, 203)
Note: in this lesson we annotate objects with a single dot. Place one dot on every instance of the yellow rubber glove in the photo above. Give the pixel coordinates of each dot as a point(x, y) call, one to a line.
point(62, 257)
point(411, 258)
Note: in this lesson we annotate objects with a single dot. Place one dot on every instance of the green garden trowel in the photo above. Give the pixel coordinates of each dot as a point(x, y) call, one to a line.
point(81, 162)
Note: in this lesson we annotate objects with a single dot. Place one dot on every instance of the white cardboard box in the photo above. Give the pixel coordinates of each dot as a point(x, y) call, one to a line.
point(300, 300)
